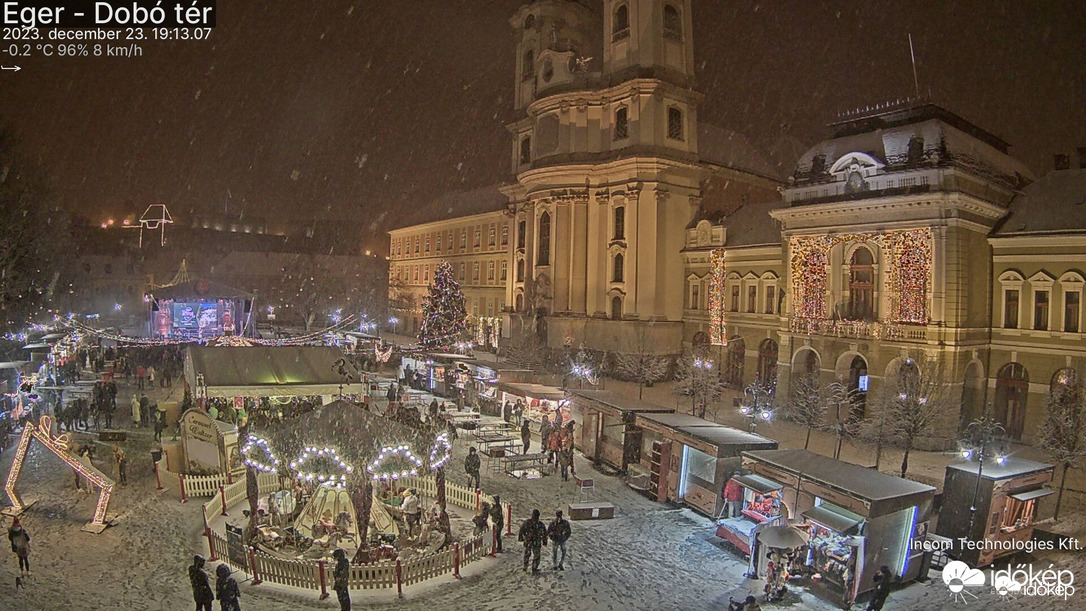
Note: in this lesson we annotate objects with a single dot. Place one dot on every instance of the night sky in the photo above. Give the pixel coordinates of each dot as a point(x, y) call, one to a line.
point(338, 109)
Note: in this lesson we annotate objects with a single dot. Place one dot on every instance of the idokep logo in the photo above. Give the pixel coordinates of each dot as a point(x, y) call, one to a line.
point(1022, 580)
point(958, 576)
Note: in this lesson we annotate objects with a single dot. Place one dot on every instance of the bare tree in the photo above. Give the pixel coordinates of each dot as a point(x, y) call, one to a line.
point(641, 366)
point(839, 395)
point(1063, 434)
point(526, 348)
point(921, 405)
point(807, 406)
point(697, 378)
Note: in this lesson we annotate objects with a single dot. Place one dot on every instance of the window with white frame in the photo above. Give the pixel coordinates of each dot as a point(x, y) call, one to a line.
point(771, 299)
point(505, 236)
point(695, 295)
point(1041, 292)
point(427, 243)
point(490, 271)
point(752, 297)
point(493, 237)
point(475, 272)
point(478, 237)
point(1012, 297)
point(463, 239)
point(503, 271)
point(1071, 284)
point(438, 245)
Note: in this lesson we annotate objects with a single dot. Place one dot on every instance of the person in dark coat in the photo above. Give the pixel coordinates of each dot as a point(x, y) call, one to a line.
point(533, 533)
point(20, 544)
point(559, 532)
point(882, 588)
point(341, 575)
point(525, 436)
point(497, 518)
point(201, 584)
point(472, 465)
point(226, 588)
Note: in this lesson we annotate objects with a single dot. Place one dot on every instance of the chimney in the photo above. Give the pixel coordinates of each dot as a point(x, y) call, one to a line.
point(1082, 157)
point(1062, 162)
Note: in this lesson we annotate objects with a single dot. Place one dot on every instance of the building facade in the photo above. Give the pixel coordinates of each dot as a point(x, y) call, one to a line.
point(477, 246)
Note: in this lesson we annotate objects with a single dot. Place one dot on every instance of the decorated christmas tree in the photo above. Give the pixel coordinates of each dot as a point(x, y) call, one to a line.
point(443, 314)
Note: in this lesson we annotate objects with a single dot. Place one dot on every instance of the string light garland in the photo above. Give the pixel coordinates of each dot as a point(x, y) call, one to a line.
point(267, 462)
point(389, 453)
point(718, 332)
point(327, 458)
point(440, 452)
point(382, 355)
point(909, 257)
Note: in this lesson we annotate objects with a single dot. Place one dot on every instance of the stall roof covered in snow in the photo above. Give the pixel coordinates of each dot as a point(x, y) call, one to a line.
point(537, 391)
point(861, 482)
point(729, 441)
point(620, 403)
point(1013, 467)
point(671, 420)
point(1054, 204)
point(250, 371)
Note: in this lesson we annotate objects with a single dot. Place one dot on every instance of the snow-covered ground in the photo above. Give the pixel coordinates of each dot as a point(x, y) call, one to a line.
point(648, 558)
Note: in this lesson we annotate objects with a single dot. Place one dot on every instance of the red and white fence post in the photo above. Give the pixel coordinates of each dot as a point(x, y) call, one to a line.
point(222, 493)
point(252, 567)
point(158, 478)
point(399, 579)
point(324, 585)
point(478, 499)
point(456, 559)
point(181, 484)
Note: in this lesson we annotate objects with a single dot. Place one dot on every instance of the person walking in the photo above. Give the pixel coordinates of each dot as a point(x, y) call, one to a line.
point(559, 532)
point(882, 588)
point(226, 588)
point(141, 376)
point(525, 436)
point(533, 533)
point(151, 376)
point(544, 434)
point(565, 460)
point(749, 604)
point(120, 461)
point(160, 423)
point(497, 520)
point(20, 544)
point(135, 410)
point(472, 464)
point(553, 445)
point(145, 408)
point(341, 575)
point(201, 584)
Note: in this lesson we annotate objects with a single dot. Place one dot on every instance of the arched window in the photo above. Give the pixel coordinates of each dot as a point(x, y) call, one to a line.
point(526, 149)
point(733, 367)
point(521, 230)
point(620, 223)
point(519, 302)
point(622, 123)
point(617, 275)
point(675, 123)
point(857, 381)
point(543, 253)
point(1012, 390)
point(767, 361)
point(673, 23)
point(861, 285)
point(621, 27)
point(527, 66)
point(520, 270)
point(616, 308)
point(806, 362)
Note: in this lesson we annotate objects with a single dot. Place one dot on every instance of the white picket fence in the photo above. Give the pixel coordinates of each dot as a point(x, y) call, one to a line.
point(316, 575)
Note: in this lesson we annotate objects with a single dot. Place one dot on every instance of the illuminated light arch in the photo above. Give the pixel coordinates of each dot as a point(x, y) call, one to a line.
point(43, 432)
point(388, 454)
point(326, 458)
point(440, 452)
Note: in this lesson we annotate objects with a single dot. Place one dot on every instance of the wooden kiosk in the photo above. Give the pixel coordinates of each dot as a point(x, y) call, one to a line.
point(858, 519)
point(1006, 500)
point(608, 433)
point(690, 459)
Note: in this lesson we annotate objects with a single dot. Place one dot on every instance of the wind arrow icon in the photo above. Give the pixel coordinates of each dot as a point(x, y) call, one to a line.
point(15, 68)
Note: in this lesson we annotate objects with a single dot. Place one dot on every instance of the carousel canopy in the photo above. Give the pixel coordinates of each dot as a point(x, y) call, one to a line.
point(260, 371)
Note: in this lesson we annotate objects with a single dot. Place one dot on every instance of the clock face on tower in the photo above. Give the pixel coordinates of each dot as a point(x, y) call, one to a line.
point(855, 182)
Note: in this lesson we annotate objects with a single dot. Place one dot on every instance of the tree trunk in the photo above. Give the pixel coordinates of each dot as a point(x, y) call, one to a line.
point(439, 480)
point(905, 459)
point(640, 390)
point(878, 453)
point(807, 442)
point(1059, 496)
point(362, 501)
point(252, 487)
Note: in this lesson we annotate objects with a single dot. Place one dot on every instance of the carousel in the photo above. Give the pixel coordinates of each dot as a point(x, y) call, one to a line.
point(349, 479)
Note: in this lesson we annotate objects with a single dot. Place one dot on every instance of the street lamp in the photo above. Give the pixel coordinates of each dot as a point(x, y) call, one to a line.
point(757, 402)
point(980, 434)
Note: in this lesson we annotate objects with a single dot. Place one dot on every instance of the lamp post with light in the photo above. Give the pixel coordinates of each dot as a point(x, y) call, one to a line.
point(978, 436)
point(757, 402)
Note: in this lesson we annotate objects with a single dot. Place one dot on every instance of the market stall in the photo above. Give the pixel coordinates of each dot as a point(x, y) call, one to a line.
point(538, 401)
point(690, 459)
point(1006, 506)
point(608, 431)
point(858, 519)
point(436, 373)
point(759, 506)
